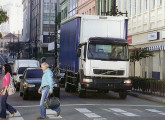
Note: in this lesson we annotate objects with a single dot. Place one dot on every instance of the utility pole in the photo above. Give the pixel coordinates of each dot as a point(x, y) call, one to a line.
point(56, 34)
point(30, 27)
point(36, 49)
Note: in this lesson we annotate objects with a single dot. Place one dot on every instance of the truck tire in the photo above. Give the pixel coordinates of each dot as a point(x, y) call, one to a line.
point(123, 94)
point(82, 93)
point(67, 87)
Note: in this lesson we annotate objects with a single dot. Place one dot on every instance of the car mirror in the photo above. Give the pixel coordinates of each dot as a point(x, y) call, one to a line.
point(21, 77)
point(78, 52)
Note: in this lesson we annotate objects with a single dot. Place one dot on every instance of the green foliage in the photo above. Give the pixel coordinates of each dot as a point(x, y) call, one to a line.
point(3, 16)
point(14, 46)
point(138, 54)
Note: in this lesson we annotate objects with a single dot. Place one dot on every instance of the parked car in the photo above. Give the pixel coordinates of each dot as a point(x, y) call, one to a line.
point(17, 74)
point(22, 63)
point(31, 81)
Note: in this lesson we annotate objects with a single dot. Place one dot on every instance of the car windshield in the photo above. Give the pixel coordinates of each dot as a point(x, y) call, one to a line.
point(21, 70)
point(108, 52)
point(34, 73)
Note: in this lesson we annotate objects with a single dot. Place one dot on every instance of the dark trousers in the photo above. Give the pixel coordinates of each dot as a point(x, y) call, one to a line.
point(5, 106)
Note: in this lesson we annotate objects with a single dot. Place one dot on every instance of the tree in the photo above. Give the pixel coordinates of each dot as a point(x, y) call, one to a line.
point(3, 18)
point(138, 54)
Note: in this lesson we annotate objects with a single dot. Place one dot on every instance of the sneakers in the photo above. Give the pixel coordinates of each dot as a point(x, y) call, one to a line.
point(12, 115)
point(39, 117)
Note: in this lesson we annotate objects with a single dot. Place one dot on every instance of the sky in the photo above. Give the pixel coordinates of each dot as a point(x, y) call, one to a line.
point(15, 15)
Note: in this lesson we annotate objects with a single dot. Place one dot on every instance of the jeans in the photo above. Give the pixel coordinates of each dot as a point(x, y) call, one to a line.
point(5, 106)
point(45, 94)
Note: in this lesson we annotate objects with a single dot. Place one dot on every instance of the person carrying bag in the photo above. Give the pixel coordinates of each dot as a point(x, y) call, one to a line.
point(4, 92)
point(45, 90)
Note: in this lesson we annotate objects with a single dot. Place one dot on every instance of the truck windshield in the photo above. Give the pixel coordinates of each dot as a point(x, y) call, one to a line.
point(108, 52)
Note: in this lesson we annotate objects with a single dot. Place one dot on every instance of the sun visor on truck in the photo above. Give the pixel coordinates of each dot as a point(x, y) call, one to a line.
point(98, 40)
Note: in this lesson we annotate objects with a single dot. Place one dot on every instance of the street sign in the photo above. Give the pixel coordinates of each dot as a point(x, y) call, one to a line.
point(51, 46)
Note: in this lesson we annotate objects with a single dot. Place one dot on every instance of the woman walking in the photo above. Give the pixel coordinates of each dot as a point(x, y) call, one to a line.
point(4, 105)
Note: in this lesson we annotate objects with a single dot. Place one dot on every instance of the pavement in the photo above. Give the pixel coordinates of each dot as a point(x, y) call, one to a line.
point(148, 97)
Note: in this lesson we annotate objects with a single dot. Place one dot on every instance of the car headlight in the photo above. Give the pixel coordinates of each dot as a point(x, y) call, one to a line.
point(87, 80)
point(127, 81)
point(29, 85)
point(56, 85)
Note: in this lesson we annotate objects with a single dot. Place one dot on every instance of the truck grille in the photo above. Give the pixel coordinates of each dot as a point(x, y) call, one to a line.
point(108, 72)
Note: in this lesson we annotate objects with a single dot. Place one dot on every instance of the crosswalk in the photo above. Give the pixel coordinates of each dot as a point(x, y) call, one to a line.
point(100, 113)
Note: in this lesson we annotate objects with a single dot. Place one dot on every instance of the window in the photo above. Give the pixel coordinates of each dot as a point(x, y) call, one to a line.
point(159, 3)
point(125, 5)
point(129, 8)
point(152, 4)
point(119, 5)
point(134, 7)
point(1, 44)
point(145, 5)
point(139, 6)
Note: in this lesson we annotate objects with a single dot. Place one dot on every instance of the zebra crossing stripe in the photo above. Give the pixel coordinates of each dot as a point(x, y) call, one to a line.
point(88, 113)
point(118, 110)
point(17, 116)
point(156, 111)
point(52, 114)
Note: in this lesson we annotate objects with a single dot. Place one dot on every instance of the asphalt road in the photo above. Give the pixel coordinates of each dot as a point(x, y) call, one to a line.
point(95, 107)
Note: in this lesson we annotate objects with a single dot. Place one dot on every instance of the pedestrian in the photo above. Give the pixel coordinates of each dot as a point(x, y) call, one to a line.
point(46, 89)
point(6, 81)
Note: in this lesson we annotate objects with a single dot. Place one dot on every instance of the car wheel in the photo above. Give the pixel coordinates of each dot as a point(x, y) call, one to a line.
point(25, 97)
point(21, 94)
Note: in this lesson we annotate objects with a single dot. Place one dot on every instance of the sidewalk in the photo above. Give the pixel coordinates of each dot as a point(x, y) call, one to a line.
point(147, 97)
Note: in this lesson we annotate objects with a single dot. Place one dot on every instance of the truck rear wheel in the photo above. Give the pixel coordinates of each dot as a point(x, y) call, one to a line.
point(67, 87)
point(123, 94)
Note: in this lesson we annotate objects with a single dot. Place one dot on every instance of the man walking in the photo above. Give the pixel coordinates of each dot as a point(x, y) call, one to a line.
point(45, 89)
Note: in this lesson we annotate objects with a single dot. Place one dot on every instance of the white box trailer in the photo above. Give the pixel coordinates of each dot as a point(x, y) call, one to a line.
point(94, 54)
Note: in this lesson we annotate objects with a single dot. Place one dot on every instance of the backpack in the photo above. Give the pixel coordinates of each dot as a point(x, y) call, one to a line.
point(11, 89)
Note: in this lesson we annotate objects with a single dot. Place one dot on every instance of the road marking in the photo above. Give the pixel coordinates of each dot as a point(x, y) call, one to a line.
point(154, 110)
point(88, 113)
point(118, 110)
point(118, 105)
point(17, 116)
point(52, 114)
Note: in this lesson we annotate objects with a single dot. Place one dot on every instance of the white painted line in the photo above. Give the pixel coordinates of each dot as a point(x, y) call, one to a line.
point(161, 113)
point(117, 110)
point(129, 114)
point(17, 116)
point(119, 105)
point(154, 110)
point(54, 117)
point(107, 110)
point(52, 114)
point(83, 110)
point(92, 115)
point(100, 119)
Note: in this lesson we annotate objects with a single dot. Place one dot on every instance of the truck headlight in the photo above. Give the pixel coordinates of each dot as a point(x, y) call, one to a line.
point(127, 81)
point(87, 80)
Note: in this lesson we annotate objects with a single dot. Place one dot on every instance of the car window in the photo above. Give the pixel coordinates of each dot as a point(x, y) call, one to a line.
point(34, 73)
point(21, 70)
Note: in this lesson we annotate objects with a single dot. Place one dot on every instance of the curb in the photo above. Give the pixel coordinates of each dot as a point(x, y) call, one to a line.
point(148, 97)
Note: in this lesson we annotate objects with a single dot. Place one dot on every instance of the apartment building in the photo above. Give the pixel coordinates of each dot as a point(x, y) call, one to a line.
point(146, 29)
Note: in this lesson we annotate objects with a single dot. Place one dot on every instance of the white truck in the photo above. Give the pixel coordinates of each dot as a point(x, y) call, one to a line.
point(19, 68)
point(94, 54)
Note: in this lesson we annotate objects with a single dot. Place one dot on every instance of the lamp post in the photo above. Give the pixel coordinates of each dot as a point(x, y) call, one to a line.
point(36, 49)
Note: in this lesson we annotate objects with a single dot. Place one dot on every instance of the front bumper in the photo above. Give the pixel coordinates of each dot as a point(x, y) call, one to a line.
point(116, 84)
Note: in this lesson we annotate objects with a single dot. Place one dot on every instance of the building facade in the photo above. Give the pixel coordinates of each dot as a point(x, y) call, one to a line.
point(146, 29)
point(72, 7)
point(64, 10)
point(104, 7)
point(87, 7)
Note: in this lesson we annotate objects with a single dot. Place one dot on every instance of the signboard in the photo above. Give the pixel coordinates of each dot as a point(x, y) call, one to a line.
point(51, 46)
point(153, 36)
point(129, 39)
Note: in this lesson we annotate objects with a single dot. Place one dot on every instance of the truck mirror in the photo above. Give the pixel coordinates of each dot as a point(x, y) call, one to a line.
point(78, 52)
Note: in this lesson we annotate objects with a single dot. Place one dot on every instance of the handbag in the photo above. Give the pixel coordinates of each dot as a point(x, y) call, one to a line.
point(11, 89)
point(51, 102)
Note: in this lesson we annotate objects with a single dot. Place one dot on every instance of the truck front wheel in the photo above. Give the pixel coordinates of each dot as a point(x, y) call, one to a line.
point(123, 94)
point(81, 92)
